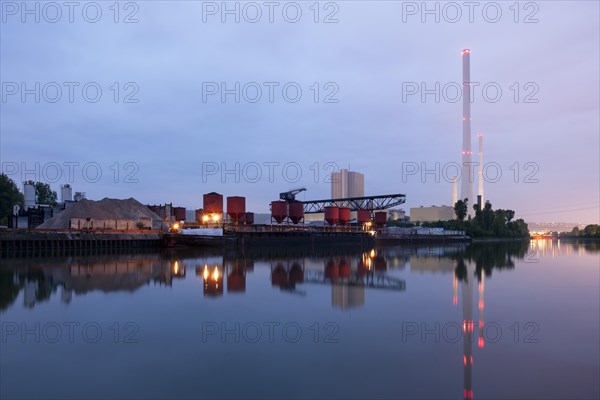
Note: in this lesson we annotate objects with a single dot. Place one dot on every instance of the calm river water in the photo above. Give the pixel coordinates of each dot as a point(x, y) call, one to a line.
point(509, 320)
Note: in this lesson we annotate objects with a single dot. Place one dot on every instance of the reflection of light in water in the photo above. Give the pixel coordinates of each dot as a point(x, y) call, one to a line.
point(176, 268)
point(205, 274)
point(455, 289)
point(216, 274)
point(373, 254)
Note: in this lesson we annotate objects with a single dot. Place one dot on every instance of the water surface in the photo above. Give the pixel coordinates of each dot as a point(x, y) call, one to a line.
point(512, 320)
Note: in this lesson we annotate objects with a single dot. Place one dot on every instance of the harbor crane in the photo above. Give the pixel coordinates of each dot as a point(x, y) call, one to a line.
point(290, 196)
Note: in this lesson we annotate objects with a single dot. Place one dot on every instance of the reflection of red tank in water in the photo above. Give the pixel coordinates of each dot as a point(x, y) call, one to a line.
point(362, 269)
point(236, 208)
point(279, 276)
point(344, 268)
point(236, 281)
point(213, 281)
point(279, 211)
point(380, 218)
point(380, 263)
point(296, 211)
point(332, 215)
point(296, 274)
point(344, 215)
point(332, 271)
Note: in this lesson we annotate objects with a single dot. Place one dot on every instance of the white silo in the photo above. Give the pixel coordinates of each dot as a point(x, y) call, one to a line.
point(29, 194)
point(66, 193)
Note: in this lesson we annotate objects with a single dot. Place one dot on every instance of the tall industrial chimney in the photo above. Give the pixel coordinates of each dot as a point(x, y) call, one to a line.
point(466, 188)
point(480, 172)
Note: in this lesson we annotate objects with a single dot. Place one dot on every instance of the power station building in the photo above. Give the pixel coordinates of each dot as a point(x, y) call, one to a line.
point(431, 214)
point(346, 184)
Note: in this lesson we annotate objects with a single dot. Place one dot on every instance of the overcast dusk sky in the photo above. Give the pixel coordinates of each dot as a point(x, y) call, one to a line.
point(542, 131)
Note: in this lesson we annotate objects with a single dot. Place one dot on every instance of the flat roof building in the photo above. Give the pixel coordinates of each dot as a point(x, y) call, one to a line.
point(431, 214)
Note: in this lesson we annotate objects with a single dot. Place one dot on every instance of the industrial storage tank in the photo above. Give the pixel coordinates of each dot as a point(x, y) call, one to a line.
point(213, 203)
point(296, 212)
point(199, 214)
point(344, 215)
point(332, 214)
point(66, 193)
point(279, 211)
point(249, 218)
point(179, 213)
point(363, 216)
point(236, 208)
point(29, 194)
point(380, 218)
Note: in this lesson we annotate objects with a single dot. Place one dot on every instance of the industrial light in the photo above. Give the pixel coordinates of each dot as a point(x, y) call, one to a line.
point(216, 217)
point(205, 218)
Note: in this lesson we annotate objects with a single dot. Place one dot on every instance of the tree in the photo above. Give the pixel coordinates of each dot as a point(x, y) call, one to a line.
point(45, 194)
point(510, 214)
point(487, 215)
point(9, 196)
point(460, 209)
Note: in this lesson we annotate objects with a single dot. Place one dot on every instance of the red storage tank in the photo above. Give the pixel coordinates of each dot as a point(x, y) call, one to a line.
point(332, 214)
point(380, 218)
point(344, 215)
point(213, 203)
point(249, 218)
point(296, 212)
point(236, 208)
point(179, 213)
point(344, 269)
point(279, 211)
point(363, 216)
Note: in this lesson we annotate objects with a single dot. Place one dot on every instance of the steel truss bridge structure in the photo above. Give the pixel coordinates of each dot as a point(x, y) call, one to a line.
point(373, 281)
point(381, 202)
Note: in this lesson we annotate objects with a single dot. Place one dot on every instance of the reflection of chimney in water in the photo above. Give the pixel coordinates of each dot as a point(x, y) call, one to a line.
point(481, 287)
point(455, 289)
point(468, 326)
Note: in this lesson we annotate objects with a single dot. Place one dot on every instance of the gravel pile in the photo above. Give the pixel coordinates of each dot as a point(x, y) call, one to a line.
point(105, 209)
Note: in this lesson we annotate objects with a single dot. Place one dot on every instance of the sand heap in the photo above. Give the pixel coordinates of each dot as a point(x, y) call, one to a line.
point(128, 210)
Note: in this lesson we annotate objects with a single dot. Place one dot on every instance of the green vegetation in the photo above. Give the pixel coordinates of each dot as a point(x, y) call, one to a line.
point(590, 231)
point(9, 196)
point(44, 194)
